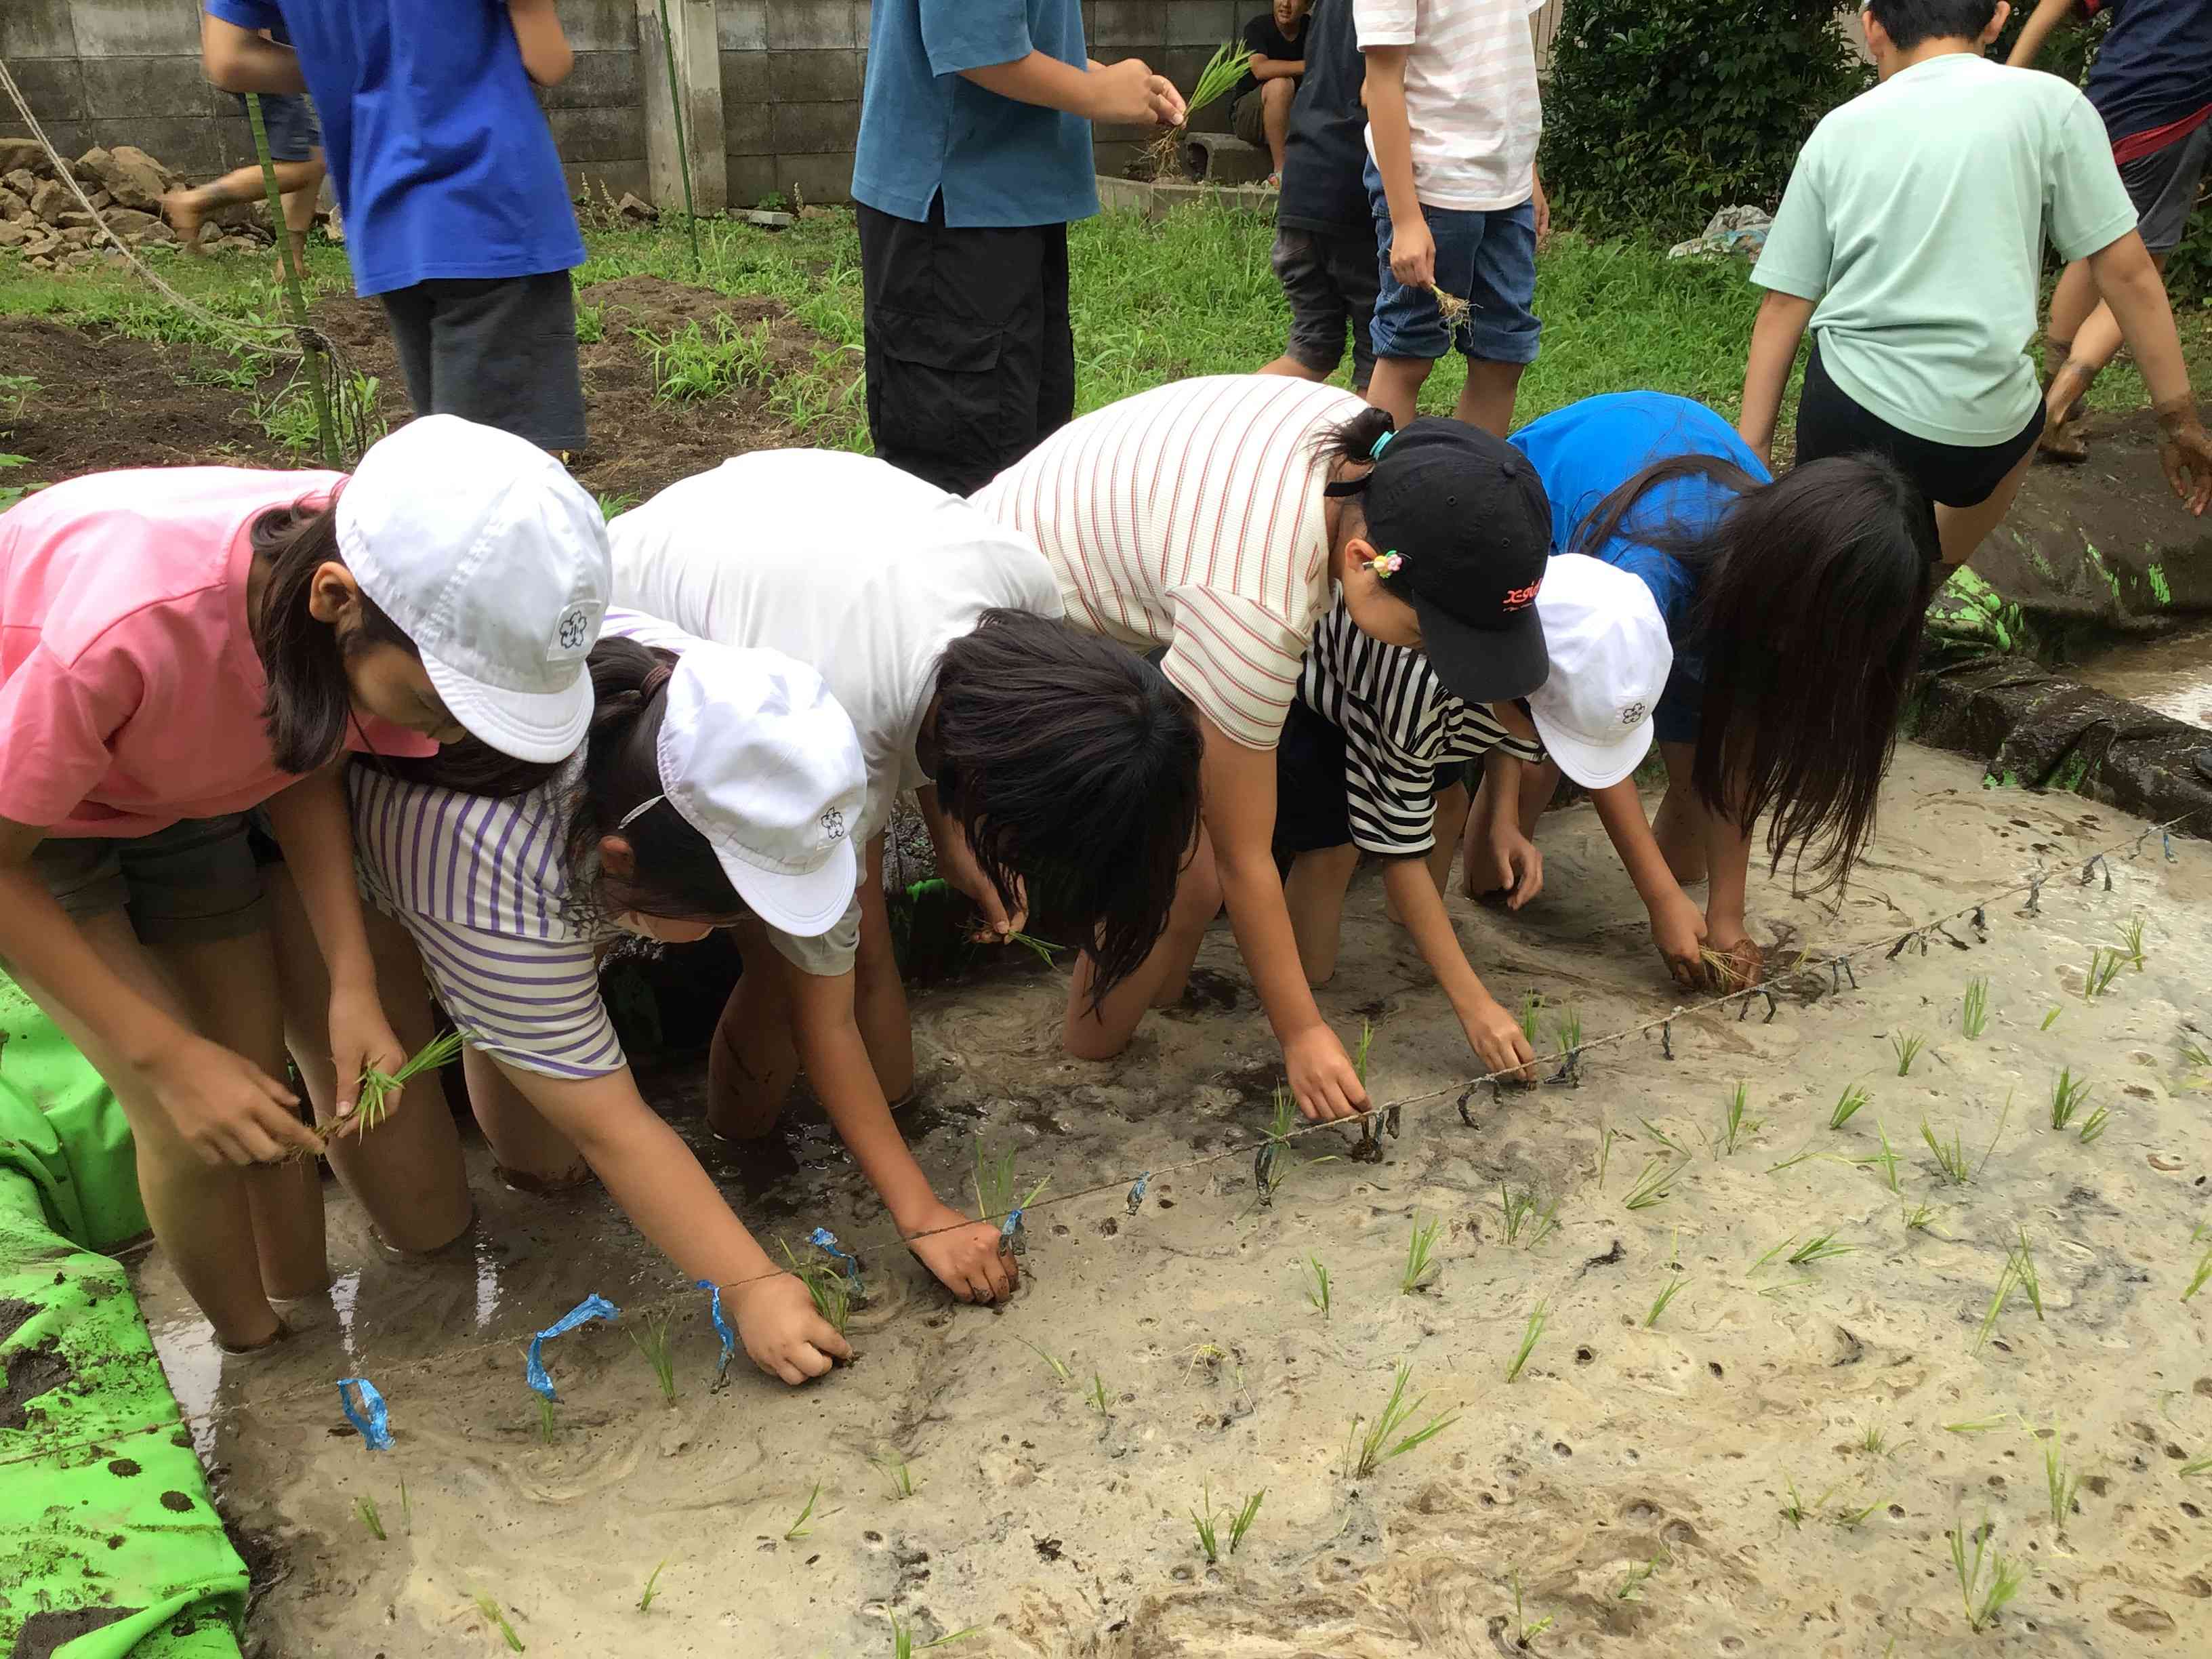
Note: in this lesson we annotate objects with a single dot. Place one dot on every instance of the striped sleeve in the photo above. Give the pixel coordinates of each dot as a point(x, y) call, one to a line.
point(479, 885)
point(1237, 660)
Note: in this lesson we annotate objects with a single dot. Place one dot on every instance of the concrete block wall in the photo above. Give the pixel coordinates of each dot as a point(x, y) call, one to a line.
point(127, 71)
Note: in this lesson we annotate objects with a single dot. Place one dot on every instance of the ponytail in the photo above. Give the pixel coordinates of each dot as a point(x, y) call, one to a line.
point(1355, 440)
point(674, 872)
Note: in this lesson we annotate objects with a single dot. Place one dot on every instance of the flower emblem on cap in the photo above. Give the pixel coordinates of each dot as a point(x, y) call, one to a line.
point(833, 823)
point(1633, 713)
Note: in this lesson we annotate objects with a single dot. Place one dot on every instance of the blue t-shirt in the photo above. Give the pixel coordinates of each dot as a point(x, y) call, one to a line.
point(2154, 66)
point(1586, 451)
point(441, 159)
point(924, 129)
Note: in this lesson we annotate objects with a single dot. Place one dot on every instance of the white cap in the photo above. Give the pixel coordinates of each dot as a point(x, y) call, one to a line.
point(756, 756)
point(494, 560)
point(1610, 659)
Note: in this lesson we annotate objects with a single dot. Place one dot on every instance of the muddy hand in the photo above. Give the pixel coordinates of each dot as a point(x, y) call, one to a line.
point(1499, 1042)
point(2184, 451)
point(1734, 965)
point(784, 1333)
point(963, 1254)
point(361, 1039)
point(1327, 1090)
point(1678, 929)
point(225, 1107)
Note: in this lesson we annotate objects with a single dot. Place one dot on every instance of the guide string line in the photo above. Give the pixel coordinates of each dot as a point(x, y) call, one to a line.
point(1134, 1185)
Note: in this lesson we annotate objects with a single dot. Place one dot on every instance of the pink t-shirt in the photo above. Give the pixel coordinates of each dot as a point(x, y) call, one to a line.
point(129, 690)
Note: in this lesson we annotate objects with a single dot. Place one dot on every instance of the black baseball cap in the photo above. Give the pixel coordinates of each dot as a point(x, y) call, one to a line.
point(1468, 519)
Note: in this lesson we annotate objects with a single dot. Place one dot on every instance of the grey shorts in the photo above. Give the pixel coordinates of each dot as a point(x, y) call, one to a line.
point(194, 882)
point(2163, 186)
point(294, 134)
point(1330, 282)
point(498, 350)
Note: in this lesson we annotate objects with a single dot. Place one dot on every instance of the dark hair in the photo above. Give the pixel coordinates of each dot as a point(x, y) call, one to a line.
point(674, 872)
point(1910, 22)
point(471, 766)
point(310, 701)
point(1354, 439)
point(1070, 759)
point(1811, 596)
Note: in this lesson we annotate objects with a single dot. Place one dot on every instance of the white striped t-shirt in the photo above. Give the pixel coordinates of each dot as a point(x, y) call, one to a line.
point(1192, 517)
point(1400, 725)
point(1471, 96)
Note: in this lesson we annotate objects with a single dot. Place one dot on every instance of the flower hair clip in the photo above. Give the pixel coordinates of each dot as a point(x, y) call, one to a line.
point(1387, 565)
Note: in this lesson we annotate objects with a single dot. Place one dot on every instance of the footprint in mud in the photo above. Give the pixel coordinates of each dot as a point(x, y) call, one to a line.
point(1208, 992)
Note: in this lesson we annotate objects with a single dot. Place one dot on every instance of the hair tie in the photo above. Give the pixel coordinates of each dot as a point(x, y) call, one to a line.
point(1381, 444)
point(655, 681)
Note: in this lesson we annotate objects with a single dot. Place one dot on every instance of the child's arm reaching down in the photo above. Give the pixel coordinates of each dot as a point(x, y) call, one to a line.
point(1677, 927)
point(1494, 1035)
point(1774, 342)
point(1413, 249)
point(547, 58)
point(2129, 281)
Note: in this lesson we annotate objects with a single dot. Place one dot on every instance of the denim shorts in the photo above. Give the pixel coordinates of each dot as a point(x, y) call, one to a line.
point(294, 134)
point(1329, 281)
point(1489, 259)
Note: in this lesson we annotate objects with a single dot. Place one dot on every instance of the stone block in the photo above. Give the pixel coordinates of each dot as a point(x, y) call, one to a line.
point(809, 25)
point(747, 127)
point(143, 28)
point(599, 135)
point(599, 25)
point(50, 201)
point(818, 179)
point(618, 179)
point(53, 87)
point(603, 79)
point(122, 89)
point(752, 178)
point(1132, 28)
point(741, 25)
point(813, 78)
point(14, 235)
point(1204, 22)
point(815, 129)
point(18, 155)
point(35, 28)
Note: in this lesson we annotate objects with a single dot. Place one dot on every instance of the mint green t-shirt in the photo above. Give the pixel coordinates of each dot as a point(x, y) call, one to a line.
point(1915, 218)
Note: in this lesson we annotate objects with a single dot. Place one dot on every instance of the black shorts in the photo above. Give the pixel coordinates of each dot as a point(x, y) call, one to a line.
point(498, 350)
point(1330, 282)
point(2163, 186)
point(1313, 810)
point(970, 357)
point(1829, 423)
point(294, 134)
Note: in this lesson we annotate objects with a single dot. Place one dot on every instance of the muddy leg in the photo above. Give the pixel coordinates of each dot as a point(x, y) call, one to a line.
point(1314, 892)
point(1680, 826)
point(754, 1062)
point(1159, 978)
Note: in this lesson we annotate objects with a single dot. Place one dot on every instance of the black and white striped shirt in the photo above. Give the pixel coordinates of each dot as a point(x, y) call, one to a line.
point(1400, 725)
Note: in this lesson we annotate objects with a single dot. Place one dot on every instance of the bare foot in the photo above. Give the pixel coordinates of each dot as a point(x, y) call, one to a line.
point(183, 212)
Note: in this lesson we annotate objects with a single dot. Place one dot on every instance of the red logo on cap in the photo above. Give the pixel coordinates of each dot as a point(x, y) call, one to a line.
point(1520, 599)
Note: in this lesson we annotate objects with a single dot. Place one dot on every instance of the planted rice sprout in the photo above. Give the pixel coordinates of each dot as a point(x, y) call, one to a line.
point(1526, 1630)
point(2060, 1484)
point(1521, 1214)
point(1058, 1366)
point(1604, 1154)
point(1847, 1106)
point(1978, 1425)
point(1887, 1156)
point(364, 1509)
point(2104, 968)
point(1907, 1045)
point(2131, 941)
point(1664, 1138)
point(1920, 1218)
point(1821, 1247)
point(1421, 1264)
point(1984, 1596)
point(1530, 1006)
point(1359, 1053)
point(1950, 1156)
point(1364, 1453)
point(831, 1290)
point(1247, 1513)
point(2093, 1125)
point(1660, 1303)
point(1567, 1032)
point(375, 1091)
point(2200, 1278)
point(896, 1470)
point(1631, 1588)
point(2024, 1273)
point(2067, 1094)
point(545, 1422)
point(1653, 1187)
point(1100, 1403)
point(1318, 1291)
point(804, 1527)
point(1043, 949)
point(1850, 1515)
point(995, 1185)
point(1737, 1125)
point(1532, 1334)
point(1873, 1440)
point(653, 1343)
point(651, 1587)
point(491, 1610)
point(2008, 1281)
point(1974, 1007)
point(2051, 1019)
point(2196, 1466)
point(903, 1646)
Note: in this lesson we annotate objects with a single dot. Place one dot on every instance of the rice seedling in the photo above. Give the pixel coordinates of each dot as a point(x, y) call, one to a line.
point(1950, 1158)
point(1821, 1247)
point(1887, 1156)
point(904, 1645)
point(1978, 1425)
point(406, 1509)
point(545, 1424)
point(2194, 1054)
point(804, 1527)
point(1530, 1004)
point(2007, 1281)
point(1920, 1218)
point(1201, 1520)
point(896, 1470)
point(1631, 1588)
point(1653, 1187)
point(1043, 949)
point(1318, 1291)
point(491, 1610)
point(652, 1588)
point(2051, 1019)
point(1277, 1157)
point(2093, 1125)
point(1526, 1630)
point(995, 1184)
point(831, 1290)
point(1673, 1288)
point(1058, 1366)
point(374, 1091)
point(1664, 1138)
point(1364, 1453)
point(1793, 1508)
point(653, 1343)
point(2024, 1273)
point(688, 365)
point(1421, 1265)
point(1873, 1440)
point(614, 503)
point(1567, 1032)
point(1737, 1125)
point(1241, 1522)
point(1222, 72)
point(1795, 1160)
point(1847, 1106)
point(2060, 1484)
point(2067, 1094)
point(1604, 1154)
point(1974, 1007)
point(2200, 1278)
point(1847, 1517)
point(1772, 1251)
point(1907, 1045)
point(1532, 1334)
point(1521, 1215)
point(1359, 1051)
point(364, 1509)
point(1100, 1401)
point(1984, 1598)
point(2197, 1465)
point(1804, 1282)
point(2131, 941)
point(1451, 306)
point(2104, 968)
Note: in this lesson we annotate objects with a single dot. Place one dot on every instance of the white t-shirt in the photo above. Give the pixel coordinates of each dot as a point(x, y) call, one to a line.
point(1471, 96)
point(1191, 516)
point(862, 571)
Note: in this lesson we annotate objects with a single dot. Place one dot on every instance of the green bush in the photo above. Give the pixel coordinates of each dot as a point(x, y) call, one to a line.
point(1659, 112)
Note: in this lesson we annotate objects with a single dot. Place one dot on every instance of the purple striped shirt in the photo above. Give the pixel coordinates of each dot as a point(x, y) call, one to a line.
point(483, 887)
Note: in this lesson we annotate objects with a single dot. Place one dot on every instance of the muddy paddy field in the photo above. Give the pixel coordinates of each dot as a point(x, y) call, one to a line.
point(1770, 1466)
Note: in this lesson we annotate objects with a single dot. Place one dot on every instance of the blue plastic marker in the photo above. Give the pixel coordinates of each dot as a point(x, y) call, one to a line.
point(369, 1416)
point(823, 1239)
point(1010, 1242)
point(590, 1307)
point(721, 1329)
point(1137, 1193)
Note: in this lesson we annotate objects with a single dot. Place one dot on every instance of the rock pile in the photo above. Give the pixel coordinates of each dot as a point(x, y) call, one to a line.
point(42, 222)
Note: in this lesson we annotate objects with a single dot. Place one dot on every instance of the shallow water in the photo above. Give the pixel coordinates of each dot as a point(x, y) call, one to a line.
point(1066, 1533)
point(2173, 675)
